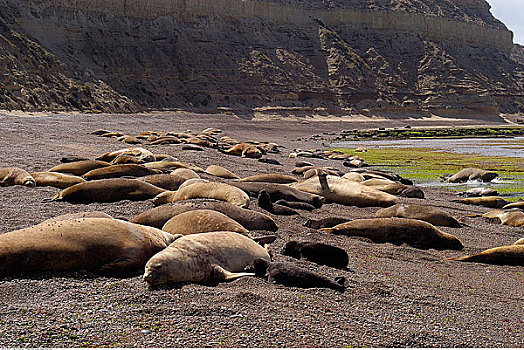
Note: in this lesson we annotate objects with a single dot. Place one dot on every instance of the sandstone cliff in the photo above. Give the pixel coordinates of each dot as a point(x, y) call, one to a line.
point(408, 57)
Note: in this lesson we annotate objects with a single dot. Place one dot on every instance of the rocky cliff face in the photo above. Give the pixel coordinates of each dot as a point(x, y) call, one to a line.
point(407, 57)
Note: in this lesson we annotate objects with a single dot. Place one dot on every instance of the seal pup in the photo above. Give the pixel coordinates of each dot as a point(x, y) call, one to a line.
point(264, 202)
point(250, 219)
point(106, 246)
point(291, 275)
point(80, 167)
point(320, 253)
point(108, 191)
point(211, 190)
point(202, 220)
point(416, 233)
point(505, 255)
point(472, 174)
point(16, 176)
point(204, 257)
point(434, 216)
point(327, 222)
point(54, 179)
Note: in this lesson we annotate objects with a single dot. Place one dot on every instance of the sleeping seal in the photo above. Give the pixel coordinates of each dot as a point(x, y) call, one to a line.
point(204, 257)
point(505, 255)
point(202, 220)
point(434, 216)
point(15, 176)
point(320, 253)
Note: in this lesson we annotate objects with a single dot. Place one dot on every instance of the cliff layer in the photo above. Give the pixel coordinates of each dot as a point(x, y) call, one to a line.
point(450, 57)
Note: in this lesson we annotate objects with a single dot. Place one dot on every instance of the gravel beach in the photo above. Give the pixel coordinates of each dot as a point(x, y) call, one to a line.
point(397, 296)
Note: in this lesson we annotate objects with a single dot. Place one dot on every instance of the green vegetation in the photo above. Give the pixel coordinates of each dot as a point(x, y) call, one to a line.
point(426, 165)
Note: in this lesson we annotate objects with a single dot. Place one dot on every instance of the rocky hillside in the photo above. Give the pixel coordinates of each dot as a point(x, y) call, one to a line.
point(407, 58)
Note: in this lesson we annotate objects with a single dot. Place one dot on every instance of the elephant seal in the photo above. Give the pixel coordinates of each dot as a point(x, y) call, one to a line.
point(264, 202)
point(54, 179)
point(416, 233)
point(168, 182)
point(472, 174)
point(397, 189)
point(141, 153)
point(80, 167)
point(211, 190)
point(320, 253)
point(107, 246)
point(108, 191)
point(434, 216)
point(244, 150)
point(279, 191)
point(166, 164)
point(338, 190)
point(202, 220)
point(251, 220)
point(190, 182)
point(519, 204)
point(325, 222)
point(295, 205)
point(512, 218)
point(291, 275)
point(16, 176)
point(126, 159)
point(70, 159)
point(519, 242)
point(505, 255)
point(185, 172)
point(204, 257)
point(218, 171)
point(269, 161)
point(271, 178)
point(354, 177)
point(120, 170)
point(489, 201)
point(479, 192)
point(79, 215)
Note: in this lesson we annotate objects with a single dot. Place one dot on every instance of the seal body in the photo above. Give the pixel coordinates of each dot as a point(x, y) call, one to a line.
point(16, 176)
point(472, 174)
point(141, 153)
point(222, 172)
point(434, 216)
point(272, 178)
point(320, 253)
point(168, 182)
point(202, 220)
point(204, 257)
point(279, 191)
point(327, 222)
point(346, 192)
point(55, 179)
point(416, 233)
point(211, 190)
point(251, 220)
point(108, 246)
point(108, 191)
point(119, 170)
point(80, 167)
point(264, 202)
point(505, 255)
point(488, 201)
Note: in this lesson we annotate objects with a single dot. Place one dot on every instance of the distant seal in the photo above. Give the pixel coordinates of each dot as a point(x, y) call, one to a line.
point(269, 161)
point(479, 192)
point(271, 178)
point(202, 220)
point(291, 275)
point(70, 159)
point(320, 253)
point(505, 255)
point(211, 190)
point(251, 220)
point(434, 216)
point(138, 152)
point(204, 257)
point(489, 201)
point(325, 222)
point(79, 168)
point(54, 179)
point(337, 190)
point(398, 189)
point(218, 171)
point(302, 163)
point(120, 170)
point(107, 246)
point(279, 191)
point(512, 218)
point(16, 176)
point(519, 204)
point(244, 150)
point(264, 202)
point(472, 174)
point(108, 191)
point(416, 233)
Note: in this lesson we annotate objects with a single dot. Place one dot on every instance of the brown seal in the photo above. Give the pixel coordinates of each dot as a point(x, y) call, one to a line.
point(204, 257)
point(202, 220)
point(222, 172)
point(168, 182)
point(138, 152)
point(472, 174)
point(271, 178)
point(79, 168)
point(320, 253)
point(211, 190)
point(185, 172)
point(505, 255)
point(416, 233)
point(108, 191)
point(519, 242)
point(54, 179)
point(79, 215)
point(16, 176)
point(279, 191)
point(489, 201)
point(434, 216)
point(251, 220)
point(120, 170)
point(107, 246)
point(519, 204)
point(244, 150)
point(325, 222)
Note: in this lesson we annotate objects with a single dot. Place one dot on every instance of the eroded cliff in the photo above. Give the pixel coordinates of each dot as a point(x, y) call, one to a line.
point(384, 56)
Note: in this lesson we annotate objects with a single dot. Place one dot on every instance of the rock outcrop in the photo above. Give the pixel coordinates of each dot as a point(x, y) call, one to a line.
point(408, 57)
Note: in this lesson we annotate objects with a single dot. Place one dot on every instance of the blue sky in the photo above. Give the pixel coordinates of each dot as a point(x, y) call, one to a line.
point(511, 12)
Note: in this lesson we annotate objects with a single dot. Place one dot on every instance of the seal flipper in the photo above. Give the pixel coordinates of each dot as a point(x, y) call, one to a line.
point(220, 273)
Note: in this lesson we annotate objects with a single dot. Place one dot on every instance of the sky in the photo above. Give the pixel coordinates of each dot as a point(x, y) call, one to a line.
point(511, 13)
